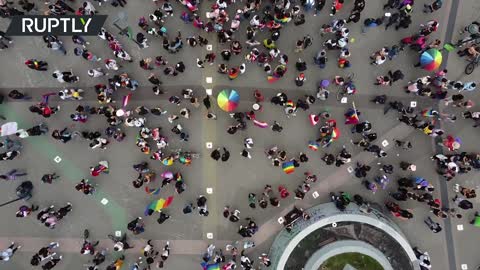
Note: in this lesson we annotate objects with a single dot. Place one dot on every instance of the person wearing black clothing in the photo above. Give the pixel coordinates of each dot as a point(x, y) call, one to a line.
point(188, 208)
point(62, 136)
point(396, 75)
point(180, 67)
point(215, 154)
point(15, 94)
point(52, 263)
point(354, 16)
point(277, 127)
point(393, 19)
point(162, 218)
point(207, 103)
point(225, 155)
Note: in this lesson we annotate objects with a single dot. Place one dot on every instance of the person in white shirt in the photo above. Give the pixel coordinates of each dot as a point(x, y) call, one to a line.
point(8, 253)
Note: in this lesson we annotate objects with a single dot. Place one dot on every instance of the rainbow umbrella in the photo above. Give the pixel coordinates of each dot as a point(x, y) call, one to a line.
point(288, 167)
point(167, 161)
point(214, 266)
point(431, 59)
point(228, 100)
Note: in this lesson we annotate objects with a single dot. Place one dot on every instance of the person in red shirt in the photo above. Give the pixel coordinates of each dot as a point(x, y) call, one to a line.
point(336, 6)
point(102, 167)
point(36, 65)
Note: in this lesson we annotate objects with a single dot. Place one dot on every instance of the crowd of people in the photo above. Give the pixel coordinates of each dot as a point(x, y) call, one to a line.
point(260, 52)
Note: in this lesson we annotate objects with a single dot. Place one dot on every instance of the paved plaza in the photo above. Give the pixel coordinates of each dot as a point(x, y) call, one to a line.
point(230, 182)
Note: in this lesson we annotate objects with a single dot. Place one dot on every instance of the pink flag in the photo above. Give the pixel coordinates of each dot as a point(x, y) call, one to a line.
point(260, 124)
point(126, 99)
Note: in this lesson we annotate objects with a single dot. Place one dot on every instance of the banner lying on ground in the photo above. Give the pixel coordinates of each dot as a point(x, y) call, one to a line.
point(68, 25)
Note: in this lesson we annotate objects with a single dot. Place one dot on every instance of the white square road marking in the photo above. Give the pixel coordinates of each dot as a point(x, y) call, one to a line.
point(104, 201)
point(281, 220)
point(385, 143)
point(413, 104)
point(118, 233)
point(209, 190)
point(209, 79)
point(209, 91)
point(460, 227)
point(209, 47)
point(315, 194)
point(57, 159)
point(344, 100)
point(464, 266)
point(210, 235)
point(209, 145)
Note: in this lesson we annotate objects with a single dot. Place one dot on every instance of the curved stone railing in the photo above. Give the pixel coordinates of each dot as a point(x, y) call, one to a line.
point(346, 246)
point(324, 215)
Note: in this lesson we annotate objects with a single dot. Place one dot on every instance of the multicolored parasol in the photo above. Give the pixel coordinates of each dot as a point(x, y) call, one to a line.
point(214, 266)
point(167, 175)
point(431, 59)
point(228, 100)
point(288, 167)
point(167, 161)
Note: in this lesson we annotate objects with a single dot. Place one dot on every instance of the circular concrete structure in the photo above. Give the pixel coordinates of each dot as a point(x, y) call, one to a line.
point(346, 246)
point(298, 249)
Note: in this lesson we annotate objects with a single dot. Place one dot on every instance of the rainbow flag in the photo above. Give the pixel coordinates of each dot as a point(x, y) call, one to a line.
point(152, 191)
point(429, 113)
point(288, 167)
point(313, 145)
point(272, 79)
point(335, 133)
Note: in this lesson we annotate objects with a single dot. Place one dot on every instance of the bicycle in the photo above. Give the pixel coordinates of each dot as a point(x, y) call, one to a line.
point(472, 65)
point(347, 86)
